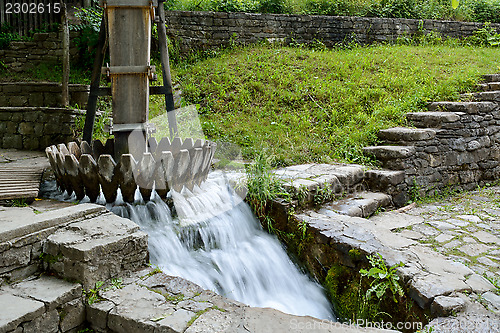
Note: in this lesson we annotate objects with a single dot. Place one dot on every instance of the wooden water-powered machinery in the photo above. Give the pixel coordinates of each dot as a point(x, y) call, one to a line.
point(132, 159)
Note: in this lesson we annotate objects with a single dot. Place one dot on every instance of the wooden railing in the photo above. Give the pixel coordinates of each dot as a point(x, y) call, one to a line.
point(23, 16)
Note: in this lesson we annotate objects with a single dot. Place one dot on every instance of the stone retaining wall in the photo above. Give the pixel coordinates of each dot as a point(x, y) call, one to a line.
point(23, 56)
point(21, 243)
point(212, 29)
point(455, 145)
point(41, 94)
point(36, 128)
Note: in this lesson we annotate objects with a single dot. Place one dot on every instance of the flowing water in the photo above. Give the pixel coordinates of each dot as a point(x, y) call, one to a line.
point(214, 240)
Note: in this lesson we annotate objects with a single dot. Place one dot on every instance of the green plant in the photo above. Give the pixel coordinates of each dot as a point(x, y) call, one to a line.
point(6, 38)
point(495, 281)
point(116, 283)
point(49, 258)
point(22, 202)
point(89, 32)
point(92, 295)
point(414, 191)
point(101, 123)
point(486, 36)
point(86, 330)
point(156, 270)
point(324, 194)
point(262, 184)
point(302, 193)
point(486, 11)
point(384, 278)
point(302, 226)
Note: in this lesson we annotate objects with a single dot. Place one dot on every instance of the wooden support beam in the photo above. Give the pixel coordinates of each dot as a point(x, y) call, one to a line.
point(88, 128)
point(165, 62)
point(65, 49)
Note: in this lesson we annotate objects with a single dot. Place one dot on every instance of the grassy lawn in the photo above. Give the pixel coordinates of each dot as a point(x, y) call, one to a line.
point(307, 105)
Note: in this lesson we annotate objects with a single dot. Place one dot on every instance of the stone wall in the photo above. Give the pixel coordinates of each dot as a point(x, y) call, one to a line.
point(455, 144)
point(21, 243)
point(36, 128)
point(23, 56)
point(41, 94)
point(44, 304)
point(212, 29)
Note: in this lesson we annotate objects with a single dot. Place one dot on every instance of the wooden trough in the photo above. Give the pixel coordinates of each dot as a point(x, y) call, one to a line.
point(87, 169)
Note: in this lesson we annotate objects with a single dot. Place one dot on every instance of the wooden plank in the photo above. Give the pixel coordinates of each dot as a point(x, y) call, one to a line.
point(129, 3)
point(13, 182)
point(19, 182)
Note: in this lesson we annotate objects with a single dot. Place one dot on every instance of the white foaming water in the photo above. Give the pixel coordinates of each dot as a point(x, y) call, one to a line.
point(215, 241)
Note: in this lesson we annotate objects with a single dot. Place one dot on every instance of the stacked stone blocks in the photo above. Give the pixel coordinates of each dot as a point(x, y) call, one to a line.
point(212, 29)
point(35, 94)
point(43, 48)
point(455, 144)
point(36, 128)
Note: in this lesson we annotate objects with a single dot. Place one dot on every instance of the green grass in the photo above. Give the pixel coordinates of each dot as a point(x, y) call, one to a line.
point(318, 106)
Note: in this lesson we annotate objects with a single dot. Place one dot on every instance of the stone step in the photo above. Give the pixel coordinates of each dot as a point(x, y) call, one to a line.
point(361, 204)
point(383, 178)
point(312, 182)
point(96, 249)
point(384, 153)
point(397, 134)
point(491, 78)
point(467, 107)
point(432, 119)
point(490, 86)
point(45, 304)
point(17, 310)
point(487, 96)
point(390, 182)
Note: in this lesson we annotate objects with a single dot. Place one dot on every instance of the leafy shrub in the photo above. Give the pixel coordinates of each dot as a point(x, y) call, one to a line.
point(484, 11)
point(87, 40)
point(6, 38)
point(393, 9)
point(8, 35)
point(271, 6)
point(329, 7)
point(234, 5)
point(468, 10)
point(486, 36)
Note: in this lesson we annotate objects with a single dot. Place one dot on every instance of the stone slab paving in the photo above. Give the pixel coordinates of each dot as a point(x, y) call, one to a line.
point(44, 304)
point(450, 252)
point(464, 229)
point(150, 301)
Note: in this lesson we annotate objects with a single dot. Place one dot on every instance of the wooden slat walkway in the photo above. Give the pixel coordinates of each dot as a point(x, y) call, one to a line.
point(18, 182)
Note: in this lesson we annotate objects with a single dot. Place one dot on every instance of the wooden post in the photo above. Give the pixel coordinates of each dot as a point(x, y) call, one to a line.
point(65, 45)
point(94, 85)
point(165, 64)
point(129, 26)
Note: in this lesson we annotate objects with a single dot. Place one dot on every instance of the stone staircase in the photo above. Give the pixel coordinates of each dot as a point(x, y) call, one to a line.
point(345, 189)
point(454, 144)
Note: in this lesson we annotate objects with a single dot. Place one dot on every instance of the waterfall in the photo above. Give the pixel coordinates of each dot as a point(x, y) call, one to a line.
point(214, 240)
